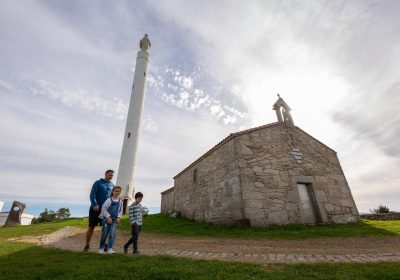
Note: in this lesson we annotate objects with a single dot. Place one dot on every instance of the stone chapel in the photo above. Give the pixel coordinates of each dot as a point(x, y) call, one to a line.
point(271, 174)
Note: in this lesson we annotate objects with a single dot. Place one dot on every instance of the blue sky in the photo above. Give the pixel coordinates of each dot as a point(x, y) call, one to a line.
point(215, 68)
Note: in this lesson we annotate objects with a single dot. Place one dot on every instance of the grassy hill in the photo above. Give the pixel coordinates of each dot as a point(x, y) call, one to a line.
point(161, 224)
point(27, 261)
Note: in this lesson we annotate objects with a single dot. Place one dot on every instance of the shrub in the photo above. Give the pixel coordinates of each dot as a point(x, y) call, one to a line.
point(381, 209)
point(145, 211)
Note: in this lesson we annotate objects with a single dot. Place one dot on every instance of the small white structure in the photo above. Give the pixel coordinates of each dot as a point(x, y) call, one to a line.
point(26, 219)
point(128, 154)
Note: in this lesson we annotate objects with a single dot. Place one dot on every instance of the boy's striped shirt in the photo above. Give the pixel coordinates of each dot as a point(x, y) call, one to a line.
point(135, 214)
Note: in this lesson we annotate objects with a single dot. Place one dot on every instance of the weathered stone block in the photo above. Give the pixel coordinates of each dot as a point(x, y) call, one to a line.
point(255, 204)
point(347, 203)
point(344, 219)
point(244, 150)
point(241, 163)
point(293, 197)
point(320, 196)
point(276, 208)
point(257, 169)
point(284, 175)
point(271, 171)
point(253, 195)
point(254, 213)
point(275, 195)
point(321, 179)
point(329, 207)
point(257, 222)
point(268, 203)
point(278, 218)
point(283, 184)
point(293, 208)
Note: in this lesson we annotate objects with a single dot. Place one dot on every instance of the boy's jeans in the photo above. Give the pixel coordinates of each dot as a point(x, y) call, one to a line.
point(135, 230)
point(108, 230)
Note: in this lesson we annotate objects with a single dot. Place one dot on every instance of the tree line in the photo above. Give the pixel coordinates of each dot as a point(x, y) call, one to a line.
point(51, 215)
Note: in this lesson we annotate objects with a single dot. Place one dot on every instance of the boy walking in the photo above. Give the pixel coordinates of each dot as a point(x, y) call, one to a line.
point(135, 219)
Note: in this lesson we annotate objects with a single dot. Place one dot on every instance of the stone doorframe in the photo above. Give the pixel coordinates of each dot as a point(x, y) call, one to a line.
point(309, 180)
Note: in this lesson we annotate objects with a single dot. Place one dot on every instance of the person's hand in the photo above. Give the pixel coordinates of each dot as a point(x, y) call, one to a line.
point(109, 220)
point(96, 208)
point(118, 220)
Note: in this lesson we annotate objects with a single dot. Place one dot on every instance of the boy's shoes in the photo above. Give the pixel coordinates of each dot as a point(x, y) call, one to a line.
point(110, 251)
point(101, 251)
point(136, 252)
point(125, 249)
point(86, 249)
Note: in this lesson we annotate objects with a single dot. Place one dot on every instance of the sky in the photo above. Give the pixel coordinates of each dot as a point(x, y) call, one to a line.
point(66, 72)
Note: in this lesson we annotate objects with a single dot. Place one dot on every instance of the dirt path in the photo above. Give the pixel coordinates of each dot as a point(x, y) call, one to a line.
point(362, 249)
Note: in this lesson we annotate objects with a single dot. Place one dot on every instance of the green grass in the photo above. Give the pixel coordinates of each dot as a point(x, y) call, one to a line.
point(27, 261)
point(24, 261)
point(161, 224)
point(40, 229)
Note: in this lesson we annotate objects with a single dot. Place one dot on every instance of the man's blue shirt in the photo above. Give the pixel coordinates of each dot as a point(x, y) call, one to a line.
point(101, 190)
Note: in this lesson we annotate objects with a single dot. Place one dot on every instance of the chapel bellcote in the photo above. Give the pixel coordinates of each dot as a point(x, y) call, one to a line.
point(283, 111)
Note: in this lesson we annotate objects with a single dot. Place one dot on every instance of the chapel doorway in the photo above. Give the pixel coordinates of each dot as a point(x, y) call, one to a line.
point(308, 204)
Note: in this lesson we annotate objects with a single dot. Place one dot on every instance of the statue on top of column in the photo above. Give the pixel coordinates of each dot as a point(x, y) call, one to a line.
point(145, 43)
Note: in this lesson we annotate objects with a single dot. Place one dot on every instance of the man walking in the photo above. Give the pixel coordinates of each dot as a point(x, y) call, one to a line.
point(99, 193)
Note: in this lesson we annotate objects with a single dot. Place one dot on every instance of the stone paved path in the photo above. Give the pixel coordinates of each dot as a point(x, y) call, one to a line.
point(355, 250)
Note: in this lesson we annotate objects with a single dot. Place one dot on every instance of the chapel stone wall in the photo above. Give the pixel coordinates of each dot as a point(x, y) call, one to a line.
point(168, 201)
point(271, 162)
point(214, 196)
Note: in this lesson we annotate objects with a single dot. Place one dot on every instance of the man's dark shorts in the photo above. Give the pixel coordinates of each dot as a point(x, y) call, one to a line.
point(94, 219)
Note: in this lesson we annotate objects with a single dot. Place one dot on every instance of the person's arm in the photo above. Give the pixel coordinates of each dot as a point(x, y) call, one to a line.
point(131, 208)
point(120, 210)
point(93, 192)
point(104, 209)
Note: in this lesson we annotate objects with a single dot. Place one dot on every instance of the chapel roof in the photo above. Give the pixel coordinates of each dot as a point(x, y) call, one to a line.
point(233, 135)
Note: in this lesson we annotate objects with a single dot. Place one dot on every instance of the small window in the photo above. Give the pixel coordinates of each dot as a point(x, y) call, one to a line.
point(129, 134)
point(195, 176)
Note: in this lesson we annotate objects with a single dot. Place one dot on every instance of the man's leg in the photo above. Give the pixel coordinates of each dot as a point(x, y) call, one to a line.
point(92, 224)
point(89, 234)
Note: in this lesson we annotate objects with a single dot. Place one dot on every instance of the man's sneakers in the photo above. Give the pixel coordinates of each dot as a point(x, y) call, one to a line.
point(135, 252)
point(101, 251)
point(86, 249)
point(110, 251)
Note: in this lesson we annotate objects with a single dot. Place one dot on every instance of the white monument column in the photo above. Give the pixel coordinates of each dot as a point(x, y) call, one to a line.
point(128, 154)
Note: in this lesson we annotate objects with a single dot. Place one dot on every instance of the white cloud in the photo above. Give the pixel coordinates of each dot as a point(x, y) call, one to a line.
point(109, 107)
point(149, 125)
point(182, 92)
